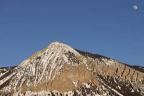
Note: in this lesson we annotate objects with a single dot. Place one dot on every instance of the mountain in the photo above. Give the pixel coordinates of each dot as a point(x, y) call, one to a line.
point(60, 70)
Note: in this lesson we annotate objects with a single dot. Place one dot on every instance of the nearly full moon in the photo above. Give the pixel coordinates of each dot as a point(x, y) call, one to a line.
point(135, 7)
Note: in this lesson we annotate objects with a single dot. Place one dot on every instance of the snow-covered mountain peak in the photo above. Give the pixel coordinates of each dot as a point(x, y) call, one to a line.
point(44, 65)
point(60, 70)
point(55, 46)
point(54, 50)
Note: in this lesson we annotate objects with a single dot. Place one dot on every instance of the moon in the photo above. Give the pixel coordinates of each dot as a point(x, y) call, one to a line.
point(135, 7)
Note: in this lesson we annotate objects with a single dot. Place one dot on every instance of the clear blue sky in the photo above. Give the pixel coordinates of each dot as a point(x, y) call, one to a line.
point(108, 27)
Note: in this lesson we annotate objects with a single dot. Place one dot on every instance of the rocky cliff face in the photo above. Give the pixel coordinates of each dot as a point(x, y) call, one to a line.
point(60, 70)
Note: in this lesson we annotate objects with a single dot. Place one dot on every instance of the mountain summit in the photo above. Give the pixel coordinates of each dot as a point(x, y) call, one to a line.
point(60, 70)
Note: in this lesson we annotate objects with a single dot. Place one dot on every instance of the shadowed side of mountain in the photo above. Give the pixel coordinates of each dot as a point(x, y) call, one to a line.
point(139, 68)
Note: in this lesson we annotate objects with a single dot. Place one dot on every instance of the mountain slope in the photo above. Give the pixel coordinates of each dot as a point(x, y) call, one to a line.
point(61, 70)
